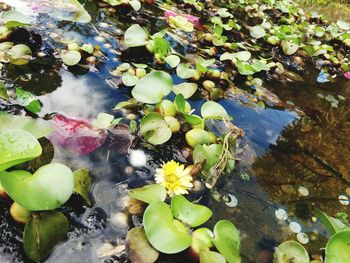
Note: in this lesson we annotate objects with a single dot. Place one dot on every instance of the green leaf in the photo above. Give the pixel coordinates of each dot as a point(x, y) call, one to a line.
point(172, 60)
point(28, 100)
point(211, 109)
point(333, 225)
point(3, 91)
point(289, 48)
point(155, 129)
point(198, 136)
point(257, 32)
point(338, 247)
point(103, 121)
point(192, 119)
point(76, 14)
point(160, 46)
point(180, 102)
point(15, 19)
point(70, 57)
point(138, 248)
point(202, 240)
point(135, 36)
point(149, 193)
point(227, 241)
point(20, 54)
point(135, 4)
point(209, 153)
point(48, 188)
point(181, 23)
point(211, 257)
point(164, 234)
point(343, 25)
point(82, 184)
point(291, 251)
point(17, 147)
point(36, 127)
point(245, 68)
point(43, 232)
point(184, 71)
point(191, 214)
point(87, 48)
point(153, 87)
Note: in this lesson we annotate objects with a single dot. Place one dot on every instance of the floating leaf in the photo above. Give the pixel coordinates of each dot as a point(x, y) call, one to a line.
point(289, 48)
point(186, 89)
point(153, 87)
point(181, 23)
point(103, 121)
point(138, 248)
point(87, 48)
point(199, 136)
point(135, 36)
point(155, 129)
point(202, 240)
point(17, 146)
point(184, 71)
point(210, 257)
point(3, 91)
point(227, 241)
point(129, 79)
point(82, 184)
point(36, 127)
point(28, 100)
point(257, 32)
point(70, 57)
point(173, 61)
point(245, 68)
point(333, 225)
point(76, 135)
point(15, 19)
point(163, 232)
point(149, 193)
point(291, 251)
point(160, 46)
point(43, 232)
point(209, 153)
point(212, 109)
point(191, 214)
point(338, 247)
point(20, 54)
point(343, 25)
point(241, 55)
point(135, 4)
point(48, 188)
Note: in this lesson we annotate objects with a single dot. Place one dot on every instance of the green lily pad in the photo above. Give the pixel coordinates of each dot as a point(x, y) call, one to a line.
point(289, 48)
point(291, 251)
point(198, 136)
point(82, 184)
point(172, 60)
point(48, 188)
point(184, 71)
point(202, 240)
point(186, 89)
point(70, 57)
point(189, 213)
point(343, 25)
point(20, 54)
point(161, 230)
point(15, 19)
point(153, 87)
point(209, 153)
point(135, 36)
point(28, 100)
point(36, 127)
point(227, 241)
point(87, 48)
point(210, 257)
point(129, 79)
point(135, 4)
point(338, 247)
point(149, 193)
point(155, 129)
point(212, 109)
point(138, 248)
point(181, 23)
point(245, 68)
point(257, 32)
point(333, 225)
point(43, 232)
point(17, 147)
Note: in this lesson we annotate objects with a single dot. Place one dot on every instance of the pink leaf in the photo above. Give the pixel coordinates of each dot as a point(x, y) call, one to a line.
point(347, 75)
point(76, 135)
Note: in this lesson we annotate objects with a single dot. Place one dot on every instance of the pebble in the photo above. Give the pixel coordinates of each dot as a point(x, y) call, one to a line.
point(294, 227)
point(137, 158)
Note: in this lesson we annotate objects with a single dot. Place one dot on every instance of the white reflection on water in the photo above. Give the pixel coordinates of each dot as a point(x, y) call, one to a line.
point(77, 97)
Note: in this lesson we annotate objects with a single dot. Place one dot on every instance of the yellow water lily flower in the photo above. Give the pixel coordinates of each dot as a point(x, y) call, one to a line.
point(174, 177)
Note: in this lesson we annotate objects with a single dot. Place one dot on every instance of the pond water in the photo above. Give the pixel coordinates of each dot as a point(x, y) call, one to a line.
point(294, 154)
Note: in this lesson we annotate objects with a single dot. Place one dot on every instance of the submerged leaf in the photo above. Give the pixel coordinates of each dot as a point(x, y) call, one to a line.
point(82, 184)
point(149, 193)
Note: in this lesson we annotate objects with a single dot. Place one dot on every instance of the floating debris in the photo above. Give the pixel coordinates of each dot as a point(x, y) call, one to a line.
point(230, 200)
point(303, 238)
point(344, 200)
point(281, 214)
point(295, 227)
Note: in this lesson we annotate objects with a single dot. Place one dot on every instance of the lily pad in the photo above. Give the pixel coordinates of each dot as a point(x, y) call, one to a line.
point(210, 257)
point(291, 251)
point(43, 232)
point(15, 19)
point(227, 241)
point(17, 146)
point(70, 57)
point(209, 153)
point(333, 225)
point(212, 109)
point(48, 188)
point(135, 4)
point(138, 248)
point(135, 36)
point(20, 54)
point(289, 48)
point(153, 87)
point(202, 240)
point(189, 213)
point(155, 129)
point(172, 60)
point(162, 232)
point(149, 193)
point(186, 89)
point(257, 32)
point(28, 100)
point(184, 71)
point(36, 127)
point(82, 184)
point(338, 247)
